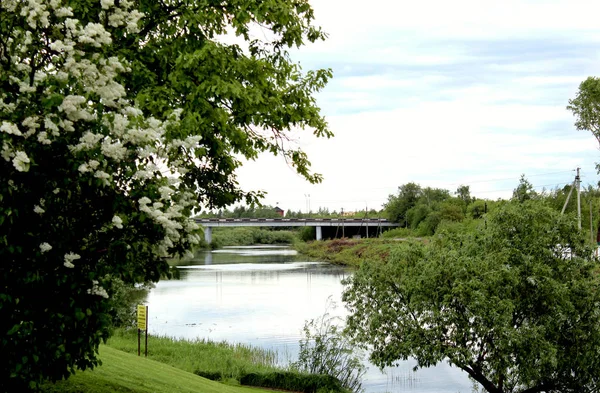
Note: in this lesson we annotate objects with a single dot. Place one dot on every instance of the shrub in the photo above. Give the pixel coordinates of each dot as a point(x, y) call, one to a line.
point(294, 381)
point(325, 349)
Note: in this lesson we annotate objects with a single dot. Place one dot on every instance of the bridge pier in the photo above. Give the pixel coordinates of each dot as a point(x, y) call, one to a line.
point(208, 235)
point(319, 233)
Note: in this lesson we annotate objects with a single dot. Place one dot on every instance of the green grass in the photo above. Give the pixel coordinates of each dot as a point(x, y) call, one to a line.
point(128, 373)
point(230, 360)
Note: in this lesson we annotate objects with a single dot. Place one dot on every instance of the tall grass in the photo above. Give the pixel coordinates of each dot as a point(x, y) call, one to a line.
point(231, 361)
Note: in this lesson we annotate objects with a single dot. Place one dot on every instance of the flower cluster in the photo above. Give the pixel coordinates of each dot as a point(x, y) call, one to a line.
point(69, 258)
point(97, 290)
point(110, 142)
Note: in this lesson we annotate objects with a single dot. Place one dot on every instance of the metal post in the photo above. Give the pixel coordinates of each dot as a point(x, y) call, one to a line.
point(146, 344)
point(139, 344)
point(578, 180)
point(591, 223)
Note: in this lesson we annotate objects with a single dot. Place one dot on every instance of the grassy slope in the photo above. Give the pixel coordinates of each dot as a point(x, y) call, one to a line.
point(123, 372)
point(349, 252)
point(229, 360)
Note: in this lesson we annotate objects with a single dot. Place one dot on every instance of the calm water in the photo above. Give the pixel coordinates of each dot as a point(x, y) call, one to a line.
point(262, 296)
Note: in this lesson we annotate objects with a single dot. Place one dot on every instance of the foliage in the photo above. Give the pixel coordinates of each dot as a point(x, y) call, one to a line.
point(253, 211)
point(398, 205)
point(325, 349)
point(524, 190)
point(463, 193)
point(516, 305)
point(124, 299)
point(117, 120)
point(122, 372)
point(399, 233)
point(477, 209)
point(247, 236)
point(307, 234)
point(585, 107)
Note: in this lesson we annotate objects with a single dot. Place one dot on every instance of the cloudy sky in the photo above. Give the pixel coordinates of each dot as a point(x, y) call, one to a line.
point(442, 94)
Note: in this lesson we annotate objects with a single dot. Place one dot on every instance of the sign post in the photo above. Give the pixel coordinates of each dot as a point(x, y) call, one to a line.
point(142, 323)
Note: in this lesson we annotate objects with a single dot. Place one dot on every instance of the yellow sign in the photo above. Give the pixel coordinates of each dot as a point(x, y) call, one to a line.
point(142, 315)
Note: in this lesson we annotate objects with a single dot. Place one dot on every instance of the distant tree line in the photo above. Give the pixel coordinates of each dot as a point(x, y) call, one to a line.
point(267, 211)
point(421, 210)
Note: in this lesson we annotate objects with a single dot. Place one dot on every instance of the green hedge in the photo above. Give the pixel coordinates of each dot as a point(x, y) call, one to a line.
point(286, 380)
point(213, 376)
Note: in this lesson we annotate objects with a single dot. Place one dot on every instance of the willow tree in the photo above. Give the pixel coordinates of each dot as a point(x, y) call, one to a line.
point(516, 305)
point(117, 119)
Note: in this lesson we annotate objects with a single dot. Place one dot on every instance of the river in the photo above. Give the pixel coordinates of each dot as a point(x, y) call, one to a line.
point(262, 296)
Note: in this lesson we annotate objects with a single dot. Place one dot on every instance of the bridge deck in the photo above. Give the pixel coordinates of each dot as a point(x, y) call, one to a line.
point(293, 222)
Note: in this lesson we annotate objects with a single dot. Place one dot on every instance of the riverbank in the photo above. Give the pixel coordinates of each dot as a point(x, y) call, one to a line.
point(247, 236)
point(175, 365)
point(125, 372)
point(350, 252)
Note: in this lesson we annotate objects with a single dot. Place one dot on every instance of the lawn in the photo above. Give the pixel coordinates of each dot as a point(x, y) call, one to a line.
point(124, 372)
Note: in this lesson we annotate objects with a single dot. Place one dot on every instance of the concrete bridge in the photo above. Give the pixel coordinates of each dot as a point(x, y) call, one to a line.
point(375, 225)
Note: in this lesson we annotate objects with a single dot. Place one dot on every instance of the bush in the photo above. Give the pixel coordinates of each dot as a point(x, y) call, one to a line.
point(308, 234)
point(213, 376)
point(294, 381)
point(246, 236)
point(325, 349)
point(398, 233)
point(124, 301)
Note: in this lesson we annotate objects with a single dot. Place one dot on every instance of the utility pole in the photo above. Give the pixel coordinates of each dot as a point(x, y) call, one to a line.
point(591, 223)
point(577, 185)
point(578, 180)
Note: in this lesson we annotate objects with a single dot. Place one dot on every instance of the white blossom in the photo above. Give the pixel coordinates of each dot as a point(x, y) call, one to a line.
point(43, 138)
point(114, 150)
point(63, 12)
point(94, 34)
point(10, 128)
point(117, 222)
point(97, 290)
point(83, 168)
point(165, 192)
point(7, 152)
point(88, 141)
point(31, 123)
point(103, 176)
point(21, 161)
point(38, 209)
point(69, 258)
point(45, 247)
point(106, 4)
point(71, 106)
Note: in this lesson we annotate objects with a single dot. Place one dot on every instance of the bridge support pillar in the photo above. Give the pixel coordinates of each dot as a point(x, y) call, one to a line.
point(319, 234)
point(208, 235)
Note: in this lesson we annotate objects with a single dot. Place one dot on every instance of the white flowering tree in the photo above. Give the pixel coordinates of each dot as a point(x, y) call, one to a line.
point(117, 119)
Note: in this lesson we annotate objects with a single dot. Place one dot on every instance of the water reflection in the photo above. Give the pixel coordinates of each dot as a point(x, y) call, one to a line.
point(262, 297)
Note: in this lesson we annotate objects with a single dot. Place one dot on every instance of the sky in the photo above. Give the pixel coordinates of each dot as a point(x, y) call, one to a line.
point(442, 94)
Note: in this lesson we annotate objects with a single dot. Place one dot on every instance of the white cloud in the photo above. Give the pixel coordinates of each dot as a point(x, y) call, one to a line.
point(443, 94)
